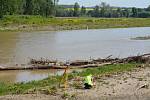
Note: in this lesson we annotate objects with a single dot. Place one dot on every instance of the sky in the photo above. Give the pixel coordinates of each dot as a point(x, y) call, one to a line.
point(118, 3)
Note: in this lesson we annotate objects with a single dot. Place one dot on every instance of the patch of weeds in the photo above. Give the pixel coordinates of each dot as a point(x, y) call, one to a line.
point(75, 72)
point(49, 90)
point(65, 95)
point(31, 91)
point(73, 96)
point(77, 85)
point(108, 75)
point(68, 96)
point(3, 88)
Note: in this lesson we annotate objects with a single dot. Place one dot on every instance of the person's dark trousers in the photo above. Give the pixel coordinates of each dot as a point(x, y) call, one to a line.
point(87, 86)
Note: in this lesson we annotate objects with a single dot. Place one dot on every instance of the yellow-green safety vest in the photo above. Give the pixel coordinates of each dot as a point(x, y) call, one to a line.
point(88, 80)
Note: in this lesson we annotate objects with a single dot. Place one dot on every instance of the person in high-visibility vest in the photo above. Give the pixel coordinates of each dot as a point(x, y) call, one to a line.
point(88, 81)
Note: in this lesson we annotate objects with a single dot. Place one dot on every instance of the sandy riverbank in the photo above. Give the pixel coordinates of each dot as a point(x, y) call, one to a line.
point(124, 86)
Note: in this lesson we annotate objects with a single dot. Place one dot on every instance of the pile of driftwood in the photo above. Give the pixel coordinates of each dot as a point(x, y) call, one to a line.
point(145, 58)
point(55, 64)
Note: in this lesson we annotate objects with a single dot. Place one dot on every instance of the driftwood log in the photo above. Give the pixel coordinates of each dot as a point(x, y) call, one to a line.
point(55, 64)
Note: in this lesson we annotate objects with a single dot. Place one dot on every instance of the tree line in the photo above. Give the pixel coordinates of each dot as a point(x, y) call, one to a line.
point(51, 8)
point(103, 10)
point(28, 7)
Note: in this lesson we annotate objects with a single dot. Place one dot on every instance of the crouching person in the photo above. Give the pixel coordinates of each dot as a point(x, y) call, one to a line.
point(88, 82)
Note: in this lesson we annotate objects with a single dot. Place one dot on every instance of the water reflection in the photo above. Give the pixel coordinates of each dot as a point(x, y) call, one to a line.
point(28, 75)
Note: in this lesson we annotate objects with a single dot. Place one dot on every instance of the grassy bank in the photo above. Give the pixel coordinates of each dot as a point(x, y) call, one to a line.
point(50, 85)
point(29, 23)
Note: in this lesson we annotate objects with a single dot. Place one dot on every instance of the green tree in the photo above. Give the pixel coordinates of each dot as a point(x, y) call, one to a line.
point(60, 12)
point(148, 8)
point(105, 8)
point(76, 9)
point(28, 7)
point(126, 13)
point(119, 12)
point(114, 13)
point(55, 2)
point(1, 8)
point(83, 11)
point(144, 14)
point(11, 6)
point(70, 13)
point(134, 12)
point(55, 7)
point(46, 8)
point(36, 7)
point(96, 11)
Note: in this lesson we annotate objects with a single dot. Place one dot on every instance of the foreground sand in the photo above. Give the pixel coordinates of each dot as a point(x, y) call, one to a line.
point(123, 86)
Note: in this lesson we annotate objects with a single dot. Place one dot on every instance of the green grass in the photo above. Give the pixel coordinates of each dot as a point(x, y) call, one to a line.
point(17, 22)
point(109, 69)
point(20, 88)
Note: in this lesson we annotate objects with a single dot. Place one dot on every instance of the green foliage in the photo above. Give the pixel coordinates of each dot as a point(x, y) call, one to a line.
point(148, 8)
point(47, 8)
point(65, 95)
point(1, 8)
point(20, 88)
point(144, 14)
point(109, 69)
point(96, 12)
point(134, 12)
point(51, 8)
point(3, 88)
point(76, 10)
point(70, 23)
point(27, 7)
point(105, 8)
point(83, 11)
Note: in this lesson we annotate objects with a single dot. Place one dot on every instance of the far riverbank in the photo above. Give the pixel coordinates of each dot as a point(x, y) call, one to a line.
point(38, 23)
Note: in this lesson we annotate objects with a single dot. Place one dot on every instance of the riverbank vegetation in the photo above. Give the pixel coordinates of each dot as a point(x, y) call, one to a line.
point(48, 8)
point(50, 85)
point(49, 15)
point(35, 23)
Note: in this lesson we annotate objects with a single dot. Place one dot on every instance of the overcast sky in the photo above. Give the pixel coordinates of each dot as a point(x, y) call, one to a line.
point(119, 3)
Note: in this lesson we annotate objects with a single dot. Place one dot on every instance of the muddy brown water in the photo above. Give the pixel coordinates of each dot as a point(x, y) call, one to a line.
point(18, 48)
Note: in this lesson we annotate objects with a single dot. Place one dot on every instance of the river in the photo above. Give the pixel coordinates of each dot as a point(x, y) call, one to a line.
point(18, 48)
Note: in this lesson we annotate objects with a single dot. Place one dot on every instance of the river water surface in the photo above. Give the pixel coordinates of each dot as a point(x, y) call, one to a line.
point(17, 48)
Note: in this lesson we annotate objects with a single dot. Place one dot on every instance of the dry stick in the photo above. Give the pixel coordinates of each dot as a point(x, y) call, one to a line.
point(108, 57)
point(65, 77)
